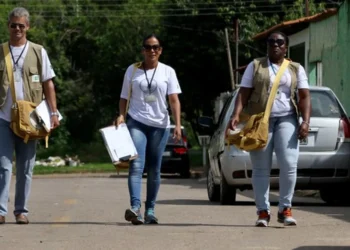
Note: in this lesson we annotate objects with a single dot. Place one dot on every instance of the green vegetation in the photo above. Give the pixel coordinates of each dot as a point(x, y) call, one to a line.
point(91, 43)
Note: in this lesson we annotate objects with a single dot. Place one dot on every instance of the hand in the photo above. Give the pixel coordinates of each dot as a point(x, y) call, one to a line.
point(177, 133)
point(233, 122)
point(120, 119)
point(54, 122)
point(303, 130)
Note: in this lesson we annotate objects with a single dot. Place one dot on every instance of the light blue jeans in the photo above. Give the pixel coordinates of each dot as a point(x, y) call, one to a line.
point(150, 144)
point(25, 161)
point(283, 139)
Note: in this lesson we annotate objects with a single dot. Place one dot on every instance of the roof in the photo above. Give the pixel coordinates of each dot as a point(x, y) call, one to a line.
point(293, 26)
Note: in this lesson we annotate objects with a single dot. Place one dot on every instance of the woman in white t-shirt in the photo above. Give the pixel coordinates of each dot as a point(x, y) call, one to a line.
point(284, 130)
point(148, 122)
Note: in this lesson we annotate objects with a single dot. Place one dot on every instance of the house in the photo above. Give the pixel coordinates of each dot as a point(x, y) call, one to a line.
point(319, 43)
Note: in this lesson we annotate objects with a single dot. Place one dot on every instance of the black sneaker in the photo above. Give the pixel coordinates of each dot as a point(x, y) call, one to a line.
point(134, 216)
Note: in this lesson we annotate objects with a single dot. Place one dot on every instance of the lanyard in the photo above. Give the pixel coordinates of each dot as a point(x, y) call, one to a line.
point(16, 62)
point(273, 68)
point(149, 82)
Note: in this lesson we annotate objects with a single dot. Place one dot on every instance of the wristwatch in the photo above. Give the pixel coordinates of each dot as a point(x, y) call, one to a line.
point(54, 114)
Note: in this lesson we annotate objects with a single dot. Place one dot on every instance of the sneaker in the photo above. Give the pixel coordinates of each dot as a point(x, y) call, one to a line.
point(21, 219)
point(286, 218)
point(263, 219)
point(2, 219)
point(134, 216)
point(150, 218)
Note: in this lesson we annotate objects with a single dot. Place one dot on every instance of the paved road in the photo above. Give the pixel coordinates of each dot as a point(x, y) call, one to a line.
point(87, 213)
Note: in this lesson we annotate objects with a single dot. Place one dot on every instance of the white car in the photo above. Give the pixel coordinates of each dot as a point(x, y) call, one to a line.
point(323, 162)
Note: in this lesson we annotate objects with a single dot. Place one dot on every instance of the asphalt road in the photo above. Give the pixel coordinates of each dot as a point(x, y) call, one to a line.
point(88, 213)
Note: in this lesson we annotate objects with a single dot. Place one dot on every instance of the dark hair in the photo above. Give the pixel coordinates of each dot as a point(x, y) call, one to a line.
point(151, 36)
point(280, 33)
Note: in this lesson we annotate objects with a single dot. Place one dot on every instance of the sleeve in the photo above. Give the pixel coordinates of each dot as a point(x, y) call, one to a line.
point(47, 72)
point(247, 78)
point(303, 82)
point(173, 84)
point(126, 83)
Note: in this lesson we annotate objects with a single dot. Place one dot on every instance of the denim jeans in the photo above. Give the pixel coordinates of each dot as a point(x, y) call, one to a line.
point(25, 161)
point(150, 144)
point(283, 139)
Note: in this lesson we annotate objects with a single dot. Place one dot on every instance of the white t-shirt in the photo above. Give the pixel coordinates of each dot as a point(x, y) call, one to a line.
point(152, 113)
point(282, 104)
point(47, 73)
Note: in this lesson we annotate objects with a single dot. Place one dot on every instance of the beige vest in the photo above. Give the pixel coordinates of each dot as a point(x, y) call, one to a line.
point(33, 91)
point(261, 84)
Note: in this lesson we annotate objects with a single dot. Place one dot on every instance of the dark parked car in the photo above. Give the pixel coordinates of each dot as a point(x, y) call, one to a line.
point(176, 156)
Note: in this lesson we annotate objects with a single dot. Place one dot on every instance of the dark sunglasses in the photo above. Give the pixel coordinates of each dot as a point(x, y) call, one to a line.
point(15, 25)
point(272, 42)
point(150, 47)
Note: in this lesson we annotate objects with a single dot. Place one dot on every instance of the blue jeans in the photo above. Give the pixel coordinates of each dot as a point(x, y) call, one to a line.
point(25, 161)
point(150, 144)
point(283, 139)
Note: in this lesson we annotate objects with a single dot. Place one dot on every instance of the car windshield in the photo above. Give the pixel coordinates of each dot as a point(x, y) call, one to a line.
point(324, 104)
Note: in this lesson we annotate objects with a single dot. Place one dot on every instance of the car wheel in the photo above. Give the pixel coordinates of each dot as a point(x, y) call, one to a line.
point(212, 188)
point(334, 196)
point(227, 192)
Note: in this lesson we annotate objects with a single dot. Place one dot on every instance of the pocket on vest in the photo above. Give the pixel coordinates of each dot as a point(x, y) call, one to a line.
point(35, 85)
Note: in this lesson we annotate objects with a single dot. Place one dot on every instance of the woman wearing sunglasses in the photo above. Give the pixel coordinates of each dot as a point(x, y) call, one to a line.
point(148, 120)
point(284, 128)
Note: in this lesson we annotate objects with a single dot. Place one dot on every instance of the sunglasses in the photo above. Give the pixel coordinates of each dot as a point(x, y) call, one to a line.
point(272, 42)
point(15, 25)
point(150, 47)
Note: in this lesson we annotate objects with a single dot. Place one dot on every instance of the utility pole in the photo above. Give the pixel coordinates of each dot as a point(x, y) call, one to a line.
point(237, 40)
point(229, 59)
point(307, 8)
point(77, 8)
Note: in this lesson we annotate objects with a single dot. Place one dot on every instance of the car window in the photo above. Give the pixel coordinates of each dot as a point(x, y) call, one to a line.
point(324, 104)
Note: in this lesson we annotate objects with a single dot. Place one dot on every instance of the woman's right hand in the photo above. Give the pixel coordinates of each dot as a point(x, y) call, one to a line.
point(120, 119)
point(233, 122)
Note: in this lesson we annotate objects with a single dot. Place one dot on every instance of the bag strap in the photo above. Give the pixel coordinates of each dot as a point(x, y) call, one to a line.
point(136, 66)
point(5, 47)
point(274, 90)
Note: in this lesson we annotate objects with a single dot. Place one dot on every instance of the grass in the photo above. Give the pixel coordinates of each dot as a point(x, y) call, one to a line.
point(86, 168)
point(96, 160)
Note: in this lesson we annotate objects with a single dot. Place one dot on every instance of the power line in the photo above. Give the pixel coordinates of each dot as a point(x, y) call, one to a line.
point(122, 2)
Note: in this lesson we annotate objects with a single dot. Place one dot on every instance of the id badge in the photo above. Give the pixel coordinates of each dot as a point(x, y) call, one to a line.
point(17, 75)
point(150, 98)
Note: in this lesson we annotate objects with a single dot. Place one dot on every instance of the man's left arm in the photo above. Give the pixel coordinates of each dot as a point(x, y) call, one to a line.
point(50, 95)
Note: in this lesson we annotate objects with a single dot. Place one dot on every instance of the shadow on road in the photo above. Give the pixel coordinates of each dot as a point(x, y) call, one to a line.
point(322, 248)
point(198, 225)
point(71, 223)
